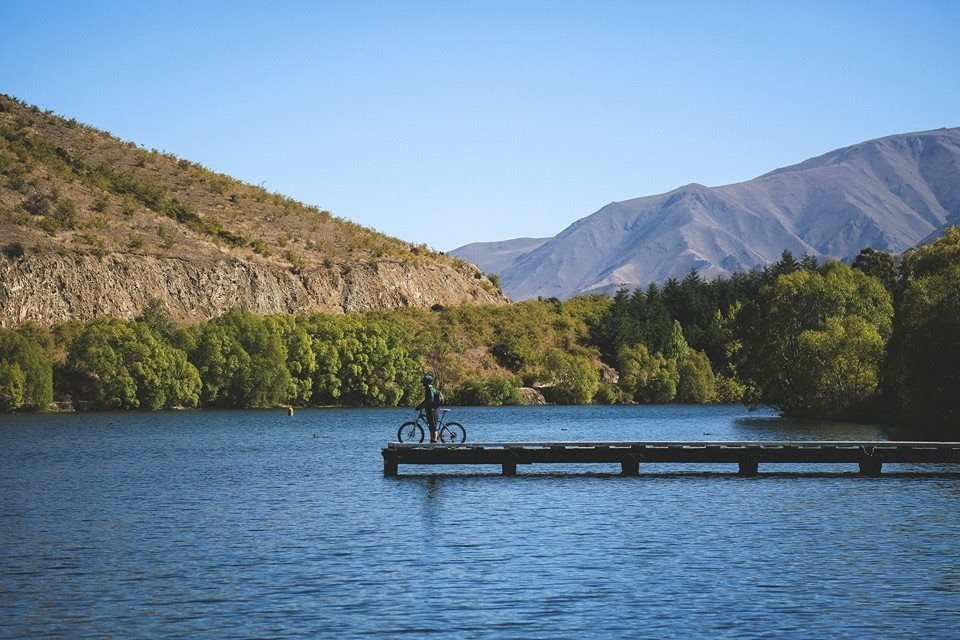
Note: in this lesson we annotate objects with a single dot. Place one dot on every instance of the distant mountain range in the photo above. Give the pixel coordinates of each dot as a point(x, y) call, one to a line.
point(890, 194)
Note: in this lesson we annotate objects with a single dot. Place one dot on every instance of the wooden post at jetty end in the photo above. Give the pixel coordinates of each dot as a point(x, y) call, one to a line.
point(390, 465)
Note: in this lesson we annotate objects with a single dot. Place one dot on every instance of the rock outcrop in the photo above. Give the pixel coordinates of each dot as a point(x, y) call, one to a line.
point(52, 287)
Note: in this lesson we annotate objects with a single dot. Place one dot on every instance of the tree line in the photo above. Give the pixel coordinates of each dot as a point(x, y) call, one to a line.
point(869, 341)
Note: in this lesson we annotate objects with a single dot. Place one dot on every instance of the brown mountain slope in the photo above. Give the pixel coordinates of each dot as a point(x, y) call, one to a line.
point(92, 225)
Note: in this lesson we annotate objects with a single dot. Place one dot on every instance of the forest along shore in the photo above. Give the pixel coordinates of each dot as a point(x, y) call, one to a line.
point(861, 342)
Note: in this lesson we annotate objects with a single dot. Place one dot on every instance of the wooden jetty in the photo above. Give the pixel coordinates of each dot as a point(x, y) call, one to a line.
point(869, 455)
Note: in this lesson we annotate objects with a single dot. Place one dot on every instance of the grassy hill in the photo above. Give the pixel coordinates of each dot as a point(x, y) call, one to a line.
point(68, 188)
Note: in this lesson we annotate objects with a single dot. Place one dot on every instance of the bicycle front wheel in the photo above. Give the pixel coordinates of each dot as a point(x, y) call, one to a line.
point(453, 433)
point(410, 432)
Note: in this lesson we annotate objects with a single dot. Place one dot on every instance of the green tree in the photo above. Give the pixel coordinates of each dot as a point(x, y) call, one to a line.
point(878, 264)
point(495, 391)
point(124, 365)
point(647, 377)
point(242, 360)
point(793, 332)
point(922, 378)
point(155, 316)
point(378, 367)
point(630, 319)
point(325, 333)
point(729, 389)
point(373, 362)
point(842, 365)
point(267, 380)
point(34, 365)
point(575, 378)
point(13, 382)
point(676, 346)
point(222, 363)
point(697, 382)
point(933, 259)
point(301, 359)
point(606, 394)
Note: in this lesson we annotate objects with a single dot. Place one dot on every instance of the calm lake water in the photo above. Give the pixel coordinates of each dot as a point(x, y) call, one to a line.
point(253, 524)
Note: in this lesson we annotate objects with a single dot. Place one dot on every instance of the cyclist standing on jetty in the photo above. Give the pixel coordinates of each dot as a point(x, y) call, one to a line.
point(431, 400)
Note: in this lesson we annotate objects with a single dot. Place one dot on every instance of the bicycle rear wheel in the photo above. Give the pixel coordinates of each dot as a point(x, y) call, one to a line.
point(410, 432)
point(453, 433)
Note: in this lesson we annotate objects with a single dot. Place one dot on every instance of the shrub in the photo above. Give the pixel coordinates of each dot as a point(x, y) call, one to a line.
point(128, 207)
point(471, 393)
point(575, 378)
point(606, 394)
point(260, 247)
point(17, 182)
point(37, 203)
point(101, 203)
point(65, 214)
point(13, 250)
point(496, 390)
point(167, 236)
point(297, 264)
point(93, 240)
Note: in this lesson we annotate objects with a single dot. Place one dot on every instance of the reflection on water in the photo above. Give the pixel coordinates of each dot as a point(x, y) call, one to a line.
point(776, 428)
point(253, 524)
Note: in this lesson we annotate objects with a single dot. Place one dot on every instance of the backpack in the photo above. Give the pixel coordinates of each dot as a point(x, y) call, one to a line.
point(437, 398)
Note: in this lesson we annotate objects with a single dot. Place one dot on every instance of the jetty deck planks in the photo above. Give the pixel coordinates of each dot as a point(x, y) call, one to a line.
point(748, 455)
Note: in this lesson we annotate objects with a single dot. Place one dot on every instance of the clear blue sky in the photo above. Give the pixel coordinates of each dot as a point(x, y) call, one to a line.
point(450, 123)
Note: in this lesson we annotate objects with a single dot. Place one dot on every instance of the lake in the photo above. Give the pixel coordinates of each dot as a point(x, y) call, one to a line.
point(255, 524)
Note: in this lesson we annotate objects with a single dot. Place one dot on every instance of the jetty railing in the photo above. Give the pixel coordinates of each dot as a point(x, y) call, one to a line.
point(747, 455)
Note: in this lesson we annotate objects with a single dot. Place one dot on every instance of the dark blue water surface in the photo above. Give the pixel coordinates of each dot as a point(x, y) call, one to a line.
point(254, 524)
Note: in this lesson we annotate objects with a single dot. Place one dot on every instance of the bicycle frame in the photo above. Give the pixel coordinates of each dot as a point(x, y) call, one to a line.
point(422, 418)
point(447, 432)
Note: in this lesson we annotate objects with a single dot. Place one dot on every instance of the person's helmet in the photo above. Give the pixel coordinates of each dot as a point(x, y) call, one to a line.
point(427, 379)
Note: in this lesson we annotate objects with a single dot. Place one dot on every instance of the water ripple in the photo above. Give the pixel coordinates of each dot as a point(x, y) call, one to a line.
point(244, 524)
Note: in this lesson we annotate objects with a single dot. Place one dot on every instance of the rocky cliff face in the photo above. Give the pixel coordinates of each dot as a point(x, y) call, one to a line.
point(91, 225)
point(53, 287)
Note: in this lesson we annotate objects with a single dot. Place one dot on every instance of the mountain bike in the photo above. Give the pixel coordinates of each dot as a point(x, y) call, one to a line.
point(447, 432)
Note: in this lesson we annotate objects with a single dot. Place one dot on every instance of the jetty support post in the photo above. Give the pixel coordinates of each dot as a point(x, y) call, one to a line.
point(748, 467)
point(871, 466)
point(509, 464)
point(391, 464)
point(630, 464)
